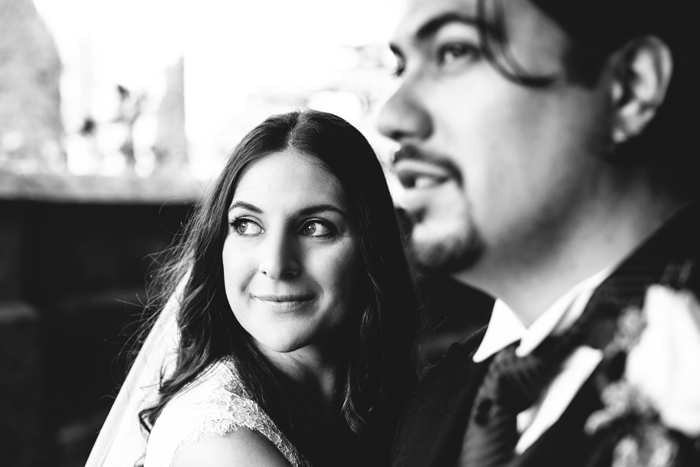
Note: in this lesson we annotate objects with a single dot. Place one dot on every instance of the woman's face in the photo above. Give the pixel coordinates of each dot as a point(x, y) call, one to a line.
point(291, 257)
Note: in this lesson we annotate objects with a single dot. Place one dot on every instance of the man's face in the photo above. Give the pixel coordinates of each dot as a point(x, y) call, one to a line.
point(491, 168)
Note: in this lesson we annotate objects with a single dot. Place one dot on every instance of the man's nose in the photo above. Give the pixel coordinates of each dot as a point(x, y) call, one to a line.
point(279, 258)
point(403, 115)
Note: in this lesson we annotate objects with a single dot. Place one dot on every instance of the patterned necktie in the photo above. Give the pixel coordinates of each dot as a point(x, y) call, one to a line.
point(512, 384)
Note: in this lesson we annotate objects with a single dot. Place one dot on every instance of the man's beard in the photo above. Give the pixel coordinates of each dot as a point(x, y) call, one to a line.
point(453, 253)
point(446, 252)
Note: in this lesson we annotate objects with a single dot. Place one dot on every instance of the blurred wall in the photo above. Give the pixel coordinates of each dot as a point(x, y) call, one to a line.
point(73, 276)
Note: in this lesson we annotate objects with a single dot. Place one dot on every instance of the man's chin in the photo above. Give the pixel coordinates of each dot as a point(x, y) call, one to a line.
point(446, 257)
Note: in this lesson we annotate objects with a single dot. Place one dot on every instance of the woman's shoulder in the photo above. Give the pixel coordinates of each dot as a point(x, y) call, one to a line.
point(215, 410)
point(239, 447)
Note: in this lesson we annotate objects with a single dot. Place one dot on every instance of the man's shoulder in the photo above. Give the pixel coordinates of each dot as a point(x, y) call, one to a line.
point(432, 422)
point(457, 359)
point(471, 343)
point(448, 379)
point(463, 351)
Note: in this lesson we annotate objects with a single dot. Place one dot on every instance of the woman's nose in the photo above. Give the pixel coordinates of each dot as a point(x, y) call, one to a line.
point(403, 116)
point(279, 257)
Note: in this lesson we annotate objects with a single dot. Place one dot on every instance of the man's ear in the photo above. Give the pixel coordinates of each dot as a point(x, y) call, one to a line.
point(642, 73)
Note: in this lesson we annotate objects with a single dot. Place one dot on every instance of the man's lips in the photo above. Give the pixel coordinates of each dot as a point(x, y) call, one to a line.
point(415, 174)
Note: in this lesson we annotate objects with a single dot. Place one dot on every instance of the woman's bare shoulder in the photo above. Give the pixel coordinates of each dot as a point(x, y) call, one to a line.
point(241, 447)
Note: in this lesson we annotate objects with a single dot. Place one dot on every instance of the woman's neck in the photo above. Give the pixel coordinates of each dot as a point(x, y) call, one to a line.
point(318, 375)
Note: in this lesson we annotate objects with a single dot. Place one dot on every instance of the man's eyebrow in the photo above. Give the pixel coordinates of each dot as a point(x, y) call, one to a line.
point(244, 205)
point(437, 22)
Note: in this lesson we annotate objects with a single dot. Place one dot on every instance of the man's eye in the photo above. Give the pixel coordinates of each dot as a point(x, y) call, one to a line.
point(418, 181)
point(246, 227)
point(317, 229)
point(457, 53)
point(425, 182)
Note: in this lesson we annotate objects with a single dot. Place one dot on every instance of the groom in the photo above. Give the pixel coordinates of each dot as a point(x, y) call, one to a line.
point(550, 158)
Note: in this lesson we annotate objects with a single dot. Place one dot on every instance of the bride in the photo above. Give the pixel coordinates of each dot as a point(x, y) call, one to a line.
point(296, 317)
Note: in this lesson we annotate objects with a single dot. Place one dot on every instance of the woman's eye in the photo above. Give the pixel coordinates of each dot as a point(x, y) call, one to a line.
point(316, 229)
point(246, 227)
point(457, 53)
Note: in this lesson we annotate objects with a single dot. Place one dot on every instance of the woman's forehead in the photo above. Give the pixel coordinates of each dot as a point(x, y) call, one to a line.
point(289, 178)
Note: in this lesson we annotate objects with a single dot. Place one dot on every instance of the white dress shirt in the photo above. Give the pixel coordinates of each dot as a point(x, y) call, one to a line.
point(506, 328)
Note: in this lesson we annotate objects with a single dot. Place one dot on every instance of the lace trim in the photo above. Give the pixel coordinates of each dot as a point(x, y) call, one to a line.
point(215, 404)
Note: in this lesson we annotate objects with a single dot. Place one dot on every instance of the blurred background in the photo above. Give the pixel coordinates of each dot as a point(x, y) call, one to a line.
point(114, 117)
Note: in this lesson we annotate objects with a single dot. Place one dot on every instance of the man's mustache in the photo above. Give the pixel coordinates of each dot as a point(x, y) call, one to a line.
point(413, 153)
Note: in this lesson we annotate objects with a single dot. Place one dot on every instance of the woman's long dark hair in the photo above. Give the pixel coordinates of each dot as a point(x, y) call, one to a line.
point(381, 367)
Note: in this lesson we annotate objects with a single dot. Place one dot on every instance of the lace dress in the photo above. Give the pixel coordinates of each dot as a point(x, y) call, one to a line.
point(216, 403)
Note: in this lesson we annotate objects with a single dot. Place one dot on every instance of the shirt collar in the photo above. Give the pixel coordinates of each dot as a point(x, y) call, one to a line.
point(506, 328)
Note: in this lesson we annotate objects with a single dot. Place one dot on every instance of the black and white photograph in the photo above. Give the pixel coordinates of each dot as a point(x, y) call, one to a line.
point(381, 233)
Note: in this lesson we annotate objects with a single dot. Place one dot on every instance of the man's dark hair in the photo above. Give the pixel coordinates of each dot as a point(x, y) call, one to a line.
point(597, 29)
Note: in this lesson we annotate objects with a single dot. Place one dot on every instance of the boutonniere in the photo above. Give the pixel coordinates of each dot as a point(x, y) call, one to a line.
point(659, 389)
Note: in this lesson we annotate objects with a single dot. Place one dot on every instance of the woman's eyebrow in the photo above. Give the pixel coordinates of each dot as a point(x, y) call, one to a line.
point(244, 205)
point(315, 209)
point(320, 208)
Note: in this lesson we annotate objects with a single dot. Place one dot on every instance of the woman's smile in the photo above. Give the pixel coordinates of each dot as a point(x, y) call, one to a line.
point(285, 302)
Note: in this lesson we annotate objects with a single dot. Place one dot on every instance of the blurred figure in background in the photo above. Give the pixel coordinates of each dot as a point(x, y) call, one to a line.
point(549, 155)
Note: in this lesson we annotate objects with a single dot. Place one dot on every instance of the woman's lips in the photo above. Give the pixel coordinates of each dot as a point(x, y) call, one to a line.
point(284, 302)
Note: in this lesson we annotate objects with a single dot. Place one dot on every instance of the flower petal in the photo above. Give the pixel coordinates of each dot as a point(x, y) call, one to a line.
point(665, 364)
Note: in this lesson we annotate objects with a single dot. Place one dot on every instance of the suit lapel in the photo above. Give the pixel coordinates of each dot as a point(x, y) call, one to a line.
point(565, 443)
point(449, 444)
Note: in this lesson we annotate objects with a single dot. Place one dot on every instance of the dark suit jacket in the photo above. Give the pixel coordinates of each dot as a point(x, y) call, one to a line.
point(433, 424)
